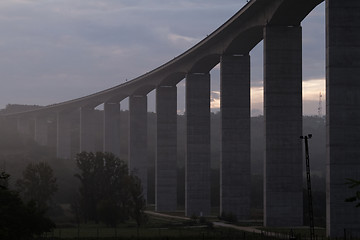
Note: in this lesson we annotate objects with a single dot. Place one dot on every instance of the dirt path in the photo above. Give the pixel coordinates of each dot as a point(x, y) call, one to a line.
point(226, 225)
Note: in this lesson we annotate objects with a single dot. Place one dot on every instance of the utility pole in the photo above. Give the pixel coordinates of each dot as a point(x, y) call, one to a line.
point(308, 180)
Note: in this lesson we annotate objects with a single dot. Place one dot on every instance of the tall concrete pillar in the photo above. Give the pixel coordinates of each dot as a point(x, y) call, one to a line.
point(138, 138)
point(24, 126)
point(41, 130)
point(10, 124)
point(63, 135)
point(283, 195)
point(197, 164)
point(235, 176)
point(342, 114)
point(166, 150)
point(87, 130)
point(112, 128)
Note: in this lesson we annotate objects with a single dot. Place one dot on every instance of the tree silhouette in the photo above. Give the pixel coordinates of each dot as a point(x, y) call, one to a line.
point(353, 184)
point(38, 183)
point(104, 187)
point(107, 192)
point(19, 220)
point(137, 201)
point(4, 183)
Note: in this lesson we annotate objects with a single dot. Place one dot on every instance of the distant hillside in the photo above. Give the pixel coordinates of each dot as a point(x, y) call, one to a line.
point(14, 108)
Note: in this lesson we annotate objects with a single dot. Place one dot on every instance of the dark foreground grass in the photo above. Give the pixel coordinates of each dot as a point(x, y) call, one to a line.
point(159, 227)
point(156, 228)
point(195, 232)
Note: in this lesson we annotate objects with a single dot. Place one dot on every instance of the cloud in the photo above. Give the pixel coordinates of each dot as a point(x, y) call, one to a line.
point(312, 89)
point(256, 100)
point(256, 112)
point(215, 100)
point(256, 94)
point(177, 39)
point(180, 111)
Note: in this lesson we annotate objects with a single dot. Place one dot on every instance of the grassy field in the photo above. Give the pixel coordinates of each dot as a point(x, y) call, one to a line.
point(130, 232)
point(146, 233)
point(160, 227)
point(156, 228)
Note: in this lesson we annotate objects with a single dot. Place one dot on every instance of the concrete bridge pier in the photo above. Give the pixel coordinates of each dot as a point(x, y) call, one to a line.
point(87, 129)
point(41, 130)
point(112, 128)
point(138, 138)
point(342, 114)
point(24, 126)
point(166, 150)
point(63, 135)
point(283, 195)
point(235, 176)
point(197, 164)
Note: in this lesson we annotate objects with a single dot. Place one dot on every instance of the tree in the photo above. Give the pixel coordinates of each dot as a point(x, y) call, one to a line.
point(38, 183)
point(4, 180)
point(108, 211)
point(356, 198)
point(103, 189)
point(108, 193)
point(19, 220)
point(137, 201)
point(76, 210)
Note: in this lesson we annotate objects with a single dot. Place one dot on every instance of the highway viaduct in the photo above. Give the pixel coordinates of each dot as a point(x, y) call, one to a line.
point(278, 24)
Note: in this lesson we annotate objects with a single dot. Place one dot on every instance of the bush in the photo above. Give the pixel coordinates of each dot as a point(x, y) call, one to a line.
point(202, 220)
point(228, 217)
point(210, 225)
point(20, 220)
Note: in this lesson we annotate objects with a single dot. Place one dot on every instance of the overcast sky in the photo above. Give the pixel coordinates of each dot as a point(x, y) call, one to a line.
point(56, 50)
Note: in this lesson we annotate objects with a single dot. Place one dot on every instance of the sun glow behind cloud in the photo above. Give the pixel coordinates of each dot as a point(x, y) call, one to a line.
point(215, 100)
point(311, 90)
